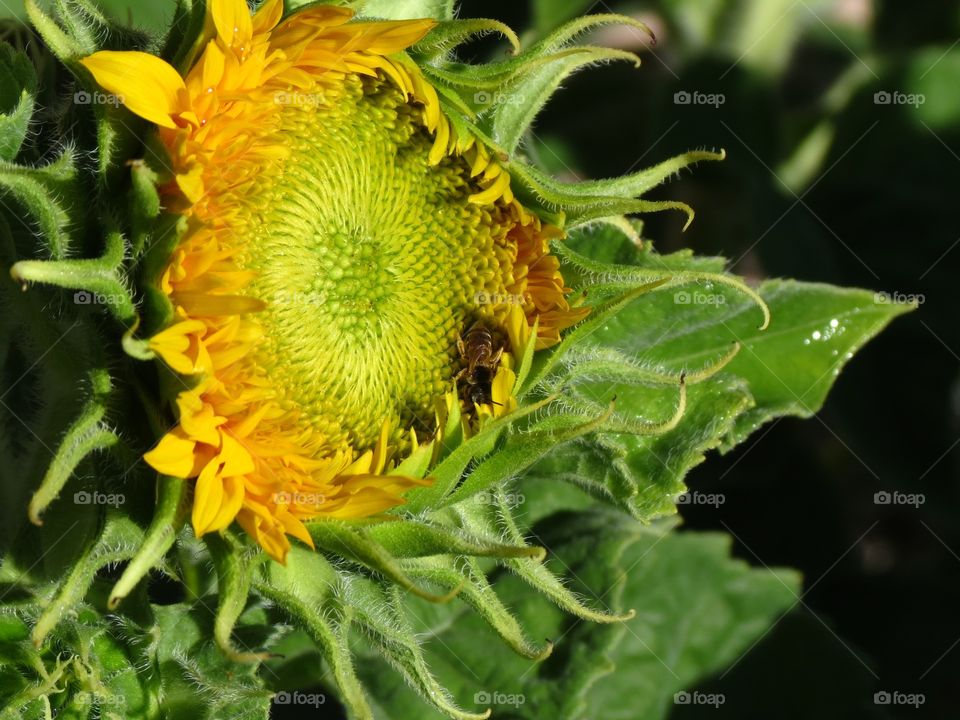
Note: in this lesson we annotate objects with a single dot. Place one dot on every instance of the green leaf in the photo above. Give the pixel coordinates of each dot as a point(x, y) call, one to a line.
point(696, 608)
point(786, 369)
point(197, 679)
point(644, 475)
point(789, 368)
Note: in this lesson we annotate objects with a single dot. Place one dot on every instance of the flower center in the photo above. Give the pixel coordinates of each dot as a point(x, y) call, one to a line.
point(369, 260)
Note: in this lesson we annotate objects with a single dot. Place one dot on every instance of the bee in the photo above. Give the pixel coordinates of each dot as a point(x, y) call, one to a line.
point(480, 349)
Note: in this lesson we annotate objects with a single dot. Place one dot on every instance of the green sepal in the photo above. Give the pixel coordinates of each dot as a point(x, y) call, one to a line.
point(189, 33)
point(581, 207)
point(61, 43)
point(449, 34)
point(643, 181)
point(48, 195)
point(477, 592)
point(235, 566)
point(380, 615)
point(103, 276)
point(540, 577)
point(86, 435)
point(145, 206)
point(118, 541)
point(315, 607)
point(157, 309)
point(18, 87)
point(400, 9)
point(168, 519)
point(492, 75)
point(517, 103)
point(355, 543)
point(77, 28)
point(546, 362)
point(522, 450)
point(422, 538)
point(450, 470)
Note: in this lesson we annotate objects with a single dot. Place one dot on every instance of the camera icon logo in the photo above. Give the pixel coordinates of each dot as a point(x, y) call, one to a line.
point(882, 498)
point(82, 298)
point(882, 698)
point(282, 698)
point(482, 98)
point(682, 98)
point(82, 97)
point(682, 298)
point(82, 498)
point(882, 97)
point(482, 698)
point(682, 698)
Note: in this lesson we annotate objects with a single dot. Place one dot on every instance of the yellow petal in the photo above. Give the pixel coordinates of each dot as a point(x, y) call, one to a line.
point(173, 455)
point(180, 346)
point(501, 391)
point(233, 22)
point(293, 526)
point(191, 183)
point(391, 36)
point(235, 457)
point(381, 451)
point(199, 423)
point(268, 16)
point(233, 494)
point(207, 498)
point(492, 193)
point(147, 85)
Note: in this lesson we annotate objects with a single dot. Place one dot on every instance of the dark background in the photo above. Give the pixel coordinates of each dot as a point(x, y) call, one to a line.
point(876, 208)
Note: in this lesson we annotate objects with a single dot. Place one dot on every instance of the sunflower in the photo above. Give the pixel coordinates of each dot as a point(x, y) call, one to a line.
point(340, 304)
point(341, 236)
